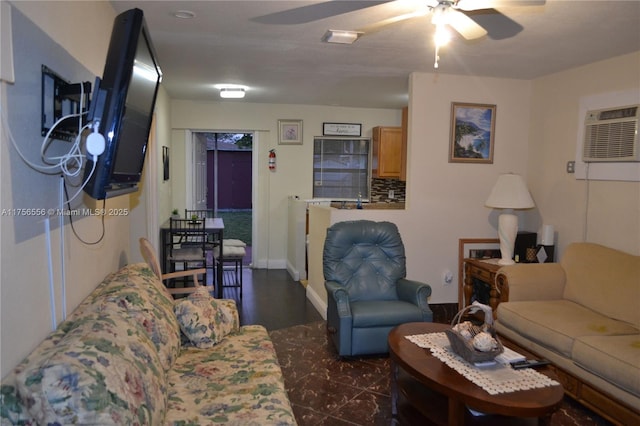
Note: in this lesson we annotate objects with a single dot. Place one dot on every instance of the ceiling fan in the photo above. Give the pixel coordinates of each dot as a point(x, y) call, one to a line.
point(454, 14)
point(472, 19)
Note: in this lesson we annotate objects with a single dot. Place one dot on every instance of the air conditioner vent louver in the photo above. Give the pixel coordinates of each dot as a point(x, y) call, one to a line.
point(612, 135)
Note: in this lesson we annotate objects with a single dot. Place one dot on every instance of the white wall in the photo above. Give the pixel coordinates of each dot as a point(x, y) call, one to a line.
point(83, 30)
point(294, 162)
point(537, 127)
point(604, 212)
point(445, 201)
point(151, 205)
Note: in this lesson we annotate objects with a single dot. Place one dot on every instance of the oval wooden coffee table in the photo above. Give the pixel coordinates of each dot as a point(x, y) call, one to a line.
point(443, 395)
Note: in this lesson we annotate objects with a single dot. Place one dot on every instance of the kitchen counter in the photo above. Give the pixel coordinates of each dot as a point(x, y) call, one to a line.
point(370, 206)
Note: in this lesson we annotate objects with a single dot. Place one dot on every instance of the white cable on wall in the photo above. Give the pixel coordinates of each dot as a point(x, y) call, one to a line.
point(52, 293)
point(70, 164)
point(63, 279)
point(585, 230)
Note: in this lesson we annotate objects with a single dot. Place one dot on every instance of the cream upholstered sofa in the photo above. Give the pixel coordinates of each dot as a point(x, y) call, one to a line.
point(129, 354)
point(583, 314)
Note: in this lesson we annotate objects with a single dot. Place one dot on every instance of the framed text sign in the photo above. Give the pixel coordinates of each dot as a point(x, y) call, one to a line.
point(341, 129)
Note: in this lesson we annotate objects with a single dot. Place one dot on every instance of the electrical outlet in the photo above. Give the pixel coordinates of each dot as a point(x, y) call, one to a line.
point(571, 166)
point(392, 194)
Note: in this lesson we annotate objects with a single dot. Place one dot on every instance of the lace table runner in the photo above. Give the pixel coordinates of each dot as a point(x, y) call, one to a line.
point(494, 379)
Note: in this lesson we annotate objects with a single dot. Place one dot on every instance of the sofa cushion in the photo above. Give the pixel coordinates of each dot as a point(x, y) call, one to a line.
point(230, 252)
point(233, 242)
point(556, 323)
point(204, 320)
point(142, 298)
point(591, 269)
point(614, 358)
point(237, 382)
point(103, 371)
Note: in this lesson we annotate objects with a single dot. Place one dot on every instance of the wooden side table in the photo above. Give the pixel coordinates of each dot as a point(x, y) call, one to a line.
point(480, 283)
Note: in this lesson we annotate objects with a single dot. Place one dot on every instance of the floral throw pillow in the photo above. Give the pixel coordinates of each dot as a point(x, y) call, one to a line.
point(204, 320)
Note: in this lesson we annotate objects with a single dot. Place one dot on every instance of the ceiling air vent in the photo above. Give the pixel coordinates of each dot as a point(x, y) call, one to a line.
point(611, 135)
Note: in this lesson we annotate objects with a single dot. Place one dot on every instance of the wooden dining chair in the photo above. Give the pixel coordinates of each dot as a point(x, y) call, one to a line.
point(149, 255)
point(187, 244)
point(199, 213)
point(203, 214)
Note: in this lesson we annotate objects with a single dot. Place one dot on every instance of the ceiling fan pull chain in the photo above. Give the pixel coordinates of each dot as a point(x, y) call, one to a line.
point(435, 65)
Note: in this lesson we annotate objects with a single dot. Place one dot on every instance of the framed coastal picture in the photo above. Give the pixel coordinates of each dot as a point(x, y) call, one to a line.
point(290, 132)
point(472, 133)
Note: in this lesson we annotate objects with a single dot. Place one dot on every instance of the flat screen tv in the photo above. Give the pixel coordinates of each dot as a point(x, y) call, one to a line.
point(123, 102)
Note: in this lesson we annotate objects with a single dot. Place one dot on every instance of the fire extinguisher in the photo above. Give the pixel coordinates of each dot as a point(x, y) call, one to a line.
point(272, 160)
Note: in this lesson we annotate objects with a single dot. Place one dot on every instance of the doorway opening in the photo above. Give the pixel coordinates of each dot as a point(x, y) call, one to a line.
point(223, 182)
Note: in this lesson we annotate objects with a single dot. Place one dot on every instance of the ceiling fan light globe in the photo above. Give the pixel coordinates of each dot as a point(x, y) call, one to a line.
point(442, 36)
point(440, 15)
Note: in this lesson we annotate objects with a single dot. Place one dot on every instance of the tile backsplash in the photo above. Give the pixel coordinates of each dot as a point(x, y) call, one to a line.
point(380, 190)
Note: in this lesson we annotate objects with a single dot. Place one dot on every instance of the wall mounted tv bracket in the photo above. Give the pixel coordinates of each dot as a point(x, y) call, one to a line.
point(61, 98)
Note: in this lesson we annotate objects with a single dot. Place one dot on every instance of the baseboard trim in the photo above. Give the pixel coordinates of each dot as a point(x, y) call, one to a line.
point(317, 302)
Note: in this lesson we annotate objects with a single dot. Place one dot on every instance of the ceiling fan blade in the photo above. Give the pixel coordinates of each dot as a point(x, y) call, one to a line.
point(498, 25)
point(465, 25)
point(314, 12)
point(395, 19)
point(490, 4)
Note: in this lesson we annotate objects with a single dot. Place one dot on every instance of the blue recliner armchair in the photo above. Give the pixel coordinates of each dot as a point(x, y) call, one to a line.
point(367, 292)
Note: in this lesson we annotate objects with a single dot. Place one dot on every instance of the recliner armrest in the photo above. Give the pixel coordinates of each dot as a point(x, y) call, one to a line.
point(415, 292)
point(340, 297)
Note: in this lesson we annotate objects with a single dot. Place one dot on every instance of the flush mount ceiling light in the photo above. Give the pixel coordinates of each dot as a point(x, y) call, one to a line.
point(232, 92)
point(341, 36)
point(184, 14)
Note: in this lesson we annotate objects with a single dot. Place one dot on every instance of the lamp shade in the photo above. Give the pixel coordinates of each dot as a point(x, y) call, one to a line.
point(510, 192)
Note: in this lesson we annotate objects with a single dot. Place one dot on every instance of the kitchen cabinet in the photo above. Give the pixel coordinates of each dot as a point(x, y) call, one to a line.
point(405, 133)
point(387, 152)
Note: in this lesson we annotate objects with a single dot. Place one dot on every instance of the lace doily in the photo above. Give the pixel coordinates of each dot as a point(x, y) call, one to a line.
point(494, 379)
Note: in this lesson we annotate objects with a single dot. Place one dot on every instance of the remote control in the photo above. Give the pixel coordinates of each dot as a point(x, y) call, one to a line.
point(529, 363)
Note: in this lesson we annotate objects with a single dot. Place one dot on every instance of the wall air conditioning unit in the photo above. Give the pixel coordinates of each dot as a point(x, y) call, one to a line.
point(611, 135)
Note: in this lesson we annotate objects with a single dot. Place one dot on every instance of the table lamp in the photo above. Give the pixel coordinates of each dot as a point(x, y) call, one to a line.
point(509, 193)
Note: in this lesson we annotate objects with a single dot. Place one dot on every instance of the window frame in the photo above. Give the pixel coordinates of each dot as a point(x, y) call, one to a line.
point(369, 156)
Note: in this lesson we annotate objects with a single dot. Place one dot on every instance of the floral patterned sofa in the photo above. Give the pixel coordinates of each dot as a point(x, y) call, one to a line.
point(129, 354)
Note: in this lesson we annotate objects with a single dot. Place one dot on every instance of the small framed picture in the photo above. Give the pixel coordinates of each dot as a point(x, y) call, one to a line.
point(290, 132)
point(165, 163)
point(472, 133)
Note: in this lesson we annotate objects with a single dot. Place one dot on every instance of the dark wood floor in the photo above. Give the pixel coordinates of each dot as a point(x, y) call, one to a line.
point(273, 299)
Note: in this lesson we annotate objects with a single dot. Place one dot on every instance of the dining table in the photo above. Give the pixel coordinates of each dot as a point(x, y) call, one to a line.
point(214, 227)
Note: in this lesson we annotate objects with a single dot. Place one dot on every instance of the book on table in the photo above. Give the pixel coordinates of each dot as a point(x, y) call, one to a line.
point(509, 356)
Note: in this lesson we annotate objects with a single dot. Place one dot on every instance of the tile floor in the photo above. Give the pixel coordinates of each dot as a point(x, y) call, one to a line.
point(324, 389)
